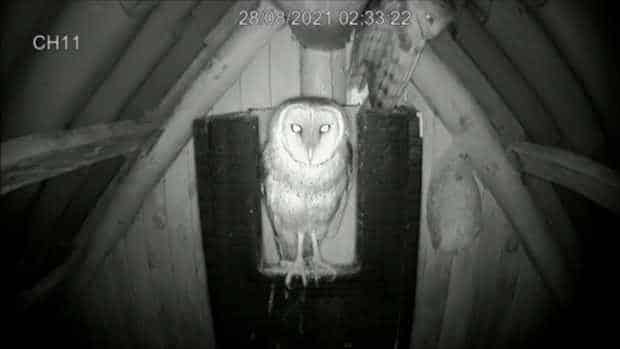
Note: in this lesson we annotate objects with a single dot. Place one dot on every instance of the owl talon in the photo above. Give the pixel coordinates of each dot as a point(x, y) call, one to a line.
point(295, 268)
point(319, 264)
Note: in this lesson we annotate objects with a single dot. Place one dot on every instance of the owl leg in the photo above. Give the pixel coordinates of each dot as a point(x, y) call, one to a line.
point(318, 263)
point(298, 266)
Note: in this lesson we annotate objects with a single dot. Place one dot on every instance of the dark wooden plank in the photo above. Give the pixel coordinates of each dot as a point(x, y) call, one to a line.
point(228, 193)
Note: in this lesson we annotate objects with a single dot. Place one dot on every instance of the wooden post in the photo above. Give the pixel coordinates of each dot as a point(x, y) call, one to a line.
point(469, 125)
point(117, 207)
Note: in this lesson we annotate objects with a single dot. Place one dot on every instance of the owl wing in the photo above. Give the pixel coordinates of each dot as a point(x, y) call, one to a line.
point(384, 56)
point(285, 241)
point(336, 222)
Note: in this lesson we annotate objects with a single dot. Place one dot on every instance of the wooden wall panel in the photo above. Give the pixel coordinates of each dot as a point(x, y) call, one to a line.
point(152, 292)
point(464, 301)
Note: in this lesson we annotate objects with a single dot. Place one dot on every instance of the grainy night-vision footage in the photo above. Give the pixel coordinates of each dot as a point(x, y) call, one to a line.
point(277, 174)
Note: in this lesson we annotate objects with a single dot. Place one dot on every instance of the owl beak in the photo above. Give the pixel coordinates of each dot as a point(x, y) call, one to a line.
point(310, 151)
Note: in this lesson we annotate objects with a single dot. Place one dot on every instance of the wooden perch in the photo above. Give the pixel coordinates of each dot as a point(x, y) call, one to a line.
point(469, 125)
point(33, 158)
point(115, 211)
point(578, 173)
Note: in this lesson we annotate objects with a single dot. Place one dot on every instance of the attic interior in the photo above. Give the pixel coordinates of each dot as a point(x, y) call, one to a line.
point(481, 173)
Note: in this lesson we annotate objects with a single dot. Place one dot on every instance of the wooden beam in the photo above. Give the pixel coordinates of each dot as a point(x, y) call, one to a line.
point(203, 83)
point(506, 125)
point(103, 30)
point(578, 173)
point(584, 41)
point(469, 125)
point(504, 77)
point(509, 131)
point(33, 158)
point(220, 73)
point(542, 65)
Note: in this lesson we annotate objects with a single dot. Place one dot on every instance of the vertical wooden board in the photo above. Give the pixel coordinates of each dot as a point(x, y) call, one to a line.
point(434, 269)
point(386, 236)
point(459, 304)
point(229, 198)
point(414, 191)
point(161, 279)
point(205, 320)
point(255, 82)
point(523, 308)
point(284, 68)
point(131, 310)
point(144, 299)
point(117, 287)
point(316, 73)
point(177, 211)
point(256, 93)
point(112, 294)
point(495, 272)
point(229, 102)
point(93, 303)
point(192, 239)
point(338, 65)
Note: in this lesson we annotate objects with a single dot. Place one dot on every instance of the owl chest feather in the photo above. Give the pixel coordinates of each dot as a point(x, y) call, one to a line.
point(304, 197)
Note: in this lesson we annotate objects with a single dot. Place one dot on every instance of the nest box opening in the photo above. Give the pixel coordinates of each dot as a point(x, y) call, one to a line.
point(371, 299)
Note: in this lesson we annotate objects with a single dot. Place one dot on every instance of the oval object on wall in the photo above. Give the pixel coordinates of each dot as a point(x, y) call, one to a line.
point(453, 202)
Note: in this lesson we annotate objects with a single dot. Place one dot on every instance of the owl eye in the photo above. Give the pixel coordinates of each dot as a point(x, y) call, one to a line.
point(325, 128)
point(296, 128)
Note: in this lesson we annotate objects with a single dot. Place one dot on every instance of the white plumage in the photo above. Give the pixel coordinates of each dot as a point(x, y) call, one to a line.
point(307, 169)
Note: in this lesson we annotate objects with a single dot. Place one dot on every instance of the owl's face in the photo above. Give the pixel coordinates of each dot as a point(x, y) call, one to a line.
point(311, 134)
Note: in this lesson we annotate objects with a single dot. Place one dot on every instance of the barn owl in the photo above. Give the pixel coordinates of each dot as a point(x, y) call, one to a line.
point(306, 177)
point(385, 54)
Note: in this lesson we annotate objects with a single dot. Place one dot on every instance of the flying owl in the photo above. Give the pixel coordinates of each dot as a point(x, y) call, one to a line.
point(307, 163)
